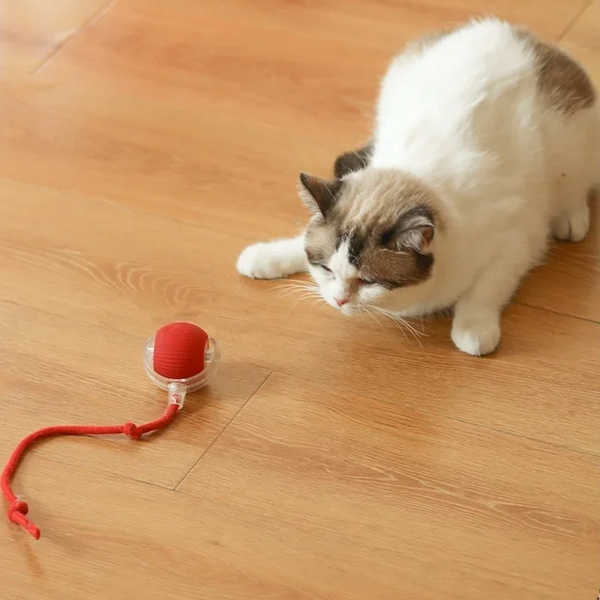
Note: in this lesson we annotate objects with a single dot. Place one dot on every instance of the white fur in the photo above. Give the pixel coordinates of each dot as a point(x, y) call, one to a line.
point(337, 284)
point(273, 260)
point(465, 116)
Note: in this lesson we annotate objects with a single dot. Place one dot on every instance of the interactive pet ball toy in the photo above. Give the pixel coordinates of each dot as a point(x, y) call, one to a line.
point(180, 358)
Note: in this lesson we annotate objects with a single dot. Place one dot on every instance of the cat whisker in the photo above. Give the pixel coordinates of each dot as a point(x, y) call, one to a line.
point(307, 292)
point(398, 324)
point(389, 317)
point(318, 300)
point(307, 295)
point(291, 288)
point(296, 285)
point(370, 314)
point(402, 324)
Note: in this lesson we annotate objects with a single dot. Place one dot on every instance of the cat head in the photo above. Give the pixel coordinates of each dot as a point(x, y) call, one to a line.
point(370, 241)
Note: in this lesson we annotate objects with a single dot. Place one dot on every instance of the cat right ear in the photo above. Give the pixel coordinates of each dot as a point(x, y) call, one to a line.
point(319, 195)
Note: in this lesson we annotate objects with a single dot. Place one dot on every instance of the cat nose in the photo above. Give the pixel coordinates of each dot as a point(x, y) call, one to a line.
point(341, 301)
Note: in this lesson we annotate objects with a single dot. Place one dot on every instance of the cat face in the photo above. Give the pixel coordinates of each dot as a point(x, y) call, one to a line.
point(369, 242)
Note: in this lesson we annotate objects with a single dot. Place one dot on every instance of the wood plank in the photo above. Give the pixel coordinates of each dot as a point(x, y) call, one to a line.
point(180, 164)
point(381, 501)
point(319, 498)
point(246, 73)
point(32, 30)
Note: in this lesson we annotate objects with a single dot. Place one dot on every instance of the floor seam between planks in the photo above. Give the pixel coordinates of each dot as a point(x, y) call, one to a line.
point(574, 20)
point(89, 21)
point(258, 389)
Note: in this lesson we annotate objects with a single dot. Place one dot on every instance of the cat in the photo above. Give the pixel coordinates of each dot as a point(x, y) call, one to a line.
point(486, 141)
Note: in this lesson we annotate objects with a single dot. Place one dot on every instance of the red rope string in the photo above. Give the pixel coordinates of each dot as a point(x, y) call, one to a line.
point(18, 509)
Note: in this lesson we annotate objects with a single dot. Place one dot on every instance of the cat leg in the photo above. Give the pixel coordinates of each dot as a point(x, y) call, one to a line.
point(572, 221)
point(576, 167)
point(477, 313)
point(273, 260)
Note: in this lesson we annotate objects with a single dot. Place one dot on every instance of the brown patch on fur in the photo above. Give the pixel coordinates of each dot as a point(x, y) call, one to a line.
point(394, 268)
point(563, 81)
point(350, 162)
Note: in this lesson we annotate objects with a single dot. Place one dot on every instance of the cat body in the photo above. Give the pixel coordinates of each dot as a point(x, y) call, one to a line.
point(486, 142)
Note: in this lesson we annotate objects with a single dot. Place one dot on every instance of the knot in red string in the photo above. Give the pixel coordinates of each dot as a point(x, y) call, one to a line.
point(133, 431)
point(18, 507)
point(16, 514)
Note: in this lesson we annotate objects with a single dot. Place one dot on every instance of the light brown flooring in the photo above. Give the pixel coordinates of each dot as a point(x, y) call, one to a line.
point(143, 144)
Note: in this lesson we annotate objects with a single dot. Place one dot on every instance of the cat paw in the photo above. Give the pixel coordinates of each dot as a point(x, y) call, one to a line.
point(261, 261)
point(572, 227)
point(476, 337)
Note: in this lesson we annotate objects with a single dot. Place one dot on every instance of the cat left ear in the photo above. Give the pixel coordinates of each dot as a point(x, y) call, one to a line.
point(319, 195)
point(415, 230)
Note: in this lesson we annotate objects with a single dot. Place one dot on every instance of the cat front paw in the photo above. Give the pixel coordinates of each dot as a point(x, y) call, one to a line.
point(261, 261)
point(476, 336)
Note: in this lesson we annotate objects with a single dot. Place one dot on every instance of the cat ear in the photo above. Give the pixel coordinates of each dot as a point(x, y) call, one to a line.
point(414, 230)
point(318, 195)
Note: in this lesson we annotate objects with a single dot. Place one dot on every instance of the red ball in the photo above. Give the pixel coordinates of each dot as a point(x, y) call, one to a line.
point(179, 350)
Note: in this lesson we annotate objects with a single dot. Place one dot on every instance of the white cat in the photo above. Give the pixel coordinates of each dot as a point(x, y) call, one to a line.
point(486, 141)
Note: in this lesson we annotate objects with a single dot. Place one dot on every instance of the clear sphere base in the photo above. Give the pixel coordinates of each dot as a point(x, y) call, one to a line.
point(178, 388)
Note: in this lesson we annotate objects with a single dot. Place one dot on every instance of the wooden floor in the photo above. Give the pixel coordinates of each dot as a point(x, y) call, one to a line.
point(143, 144)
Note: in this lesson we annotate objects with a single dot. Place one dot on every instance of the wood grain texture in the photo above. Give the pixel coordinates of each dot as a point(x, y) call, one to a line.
point(309, 472)
point(332, 459)
point(177, 163)
point(317, 497)
point(32, 30)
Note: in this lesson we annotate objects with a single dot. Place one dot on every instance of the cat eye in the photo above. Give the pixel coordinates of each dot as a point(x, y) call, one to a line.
point(326, 269)
point(366, 281)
